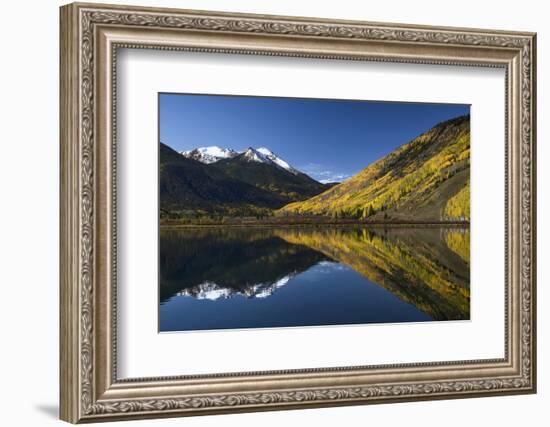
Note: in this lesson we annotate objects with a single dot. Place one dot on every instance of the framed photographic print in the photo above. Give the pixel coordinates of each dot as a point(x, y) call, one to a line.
point(264, 212)
point(365, 229)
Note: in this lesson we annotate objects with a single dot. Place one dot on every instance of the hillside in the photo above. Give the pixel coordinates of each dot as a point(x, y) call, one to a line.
point(425, 179)
point(189, 186)
point(290, 184)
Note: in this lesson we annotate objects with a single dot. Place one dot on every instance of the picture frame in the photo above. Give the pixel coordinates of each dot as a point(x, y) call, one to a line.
point(91, 35)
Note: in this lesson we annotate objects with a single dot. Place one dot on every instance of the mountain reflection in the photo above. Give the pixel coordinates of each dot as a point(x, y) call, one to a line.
point(427, 268)
point(416, 264)
point(212, 291)
point(228, 261)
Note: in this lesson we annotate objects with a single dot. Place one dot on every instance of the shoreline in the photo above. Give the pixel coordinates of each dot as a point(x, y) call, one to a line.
point(378, 224)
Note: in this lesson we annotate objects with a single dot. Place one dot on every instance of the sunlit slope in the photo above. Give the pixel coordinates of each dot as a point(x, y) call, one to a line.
point(414, 182)
point(458, 206)
point(415, 265)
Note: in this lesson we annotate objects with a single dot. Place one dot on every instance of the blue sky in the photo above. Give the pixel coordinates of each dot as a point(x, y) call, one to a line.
point(330, 140)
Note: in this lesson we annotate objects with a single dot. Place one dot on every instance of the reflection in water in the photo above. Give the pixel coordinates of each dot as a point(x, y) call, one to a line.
point(228, 261)
point(218, 278)
point(213, 291)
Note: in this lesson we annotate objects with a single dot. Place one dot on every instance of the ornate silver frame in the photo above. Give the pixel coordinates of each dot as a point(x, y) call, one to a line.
point(90, 36)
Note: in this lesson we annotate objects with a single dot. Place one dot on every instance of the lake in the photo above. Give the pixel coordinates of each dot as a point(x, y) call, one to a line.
point(258, 277)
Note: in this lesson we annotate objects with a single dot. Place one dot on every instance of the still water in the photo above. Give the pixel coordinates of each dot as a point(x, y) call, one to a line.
point(233, 278)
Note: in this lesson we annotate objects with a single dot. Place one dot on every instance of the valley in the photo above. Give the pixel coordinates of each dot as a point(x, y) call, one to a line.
point(424, 181)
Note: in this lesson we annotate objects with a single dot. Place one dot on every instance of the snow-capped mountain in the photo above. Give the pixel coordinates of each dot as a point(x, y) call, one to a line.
point(265, 155)
point(214, 153)
point(210, 154)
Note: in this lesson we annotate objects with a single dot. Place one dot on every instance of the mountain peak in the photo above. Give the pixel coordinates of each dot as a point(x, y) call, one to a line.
point(209, 154)
point(213, 153)
point(253, 155)
point(265, 151)
point(265, 155)
point(272, 157)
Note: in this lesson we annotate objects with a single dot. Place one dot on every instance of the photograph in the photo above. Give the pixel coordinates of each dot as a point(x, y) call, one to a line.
point(295, 212)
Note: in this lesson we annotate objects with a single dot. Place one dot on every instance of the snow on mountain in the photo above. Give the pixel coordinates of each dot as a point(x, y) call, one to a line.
point(265, 155)
point(261, 155)
point(253, 155)
point(214, 153)
point(210, 154)
point(270, 155)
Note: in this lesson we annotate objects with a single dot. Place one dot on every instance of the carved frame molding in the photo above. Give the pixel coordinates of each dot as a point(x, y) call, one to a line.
point(90, 37)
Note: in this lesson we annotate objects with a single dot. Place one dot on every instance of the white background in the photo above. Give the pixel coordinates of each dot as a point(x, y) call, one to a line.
point(29, 172)
point(145, 353)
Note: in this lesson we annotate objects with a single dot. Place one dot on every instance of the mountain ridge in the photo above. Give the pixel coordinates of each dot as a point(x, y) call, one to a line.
point(293, 186)
point(209, 154)
point(232, 186)
point(212, 154)
point(189, 185)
